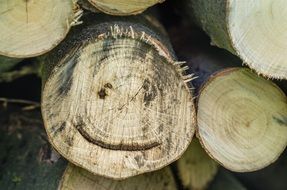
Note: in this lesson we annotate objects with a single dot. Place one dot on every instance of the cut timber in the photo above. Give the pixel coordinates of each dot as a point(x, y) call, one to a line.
point(76, 178)
point(28, 162)
point(33, 27)
point(123, 7)
point(242, 119)
point(196, 168)
point(114, 99)
point(253, 30)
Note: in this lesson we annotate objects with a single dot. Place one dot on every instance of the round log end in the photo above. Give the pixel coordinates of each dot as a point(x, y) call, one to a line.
point(118, 106)
point(258, 35)
point(33, 27)
point(123, 7)
point(242, 120)
point(75, 178)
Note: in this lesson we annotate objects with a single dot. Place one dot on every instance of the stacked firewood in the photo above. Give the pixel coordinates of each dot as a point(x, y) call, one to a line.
point(123, 96)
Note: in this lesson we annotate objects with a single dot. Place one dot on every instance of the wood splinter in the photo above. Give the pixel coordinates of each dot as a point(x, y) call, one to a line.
point(114, 100)
point(253, 30)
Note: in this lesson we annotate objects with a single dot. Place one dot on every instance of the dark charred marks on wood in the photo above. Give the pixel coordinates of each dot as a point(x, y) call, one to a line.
point(144, 129)
point(69, 140)
point(281, 121)
point(102, 93)
point(139, 160)
point(150, 92)
point(160, 128)
point(55, 130)
point(47, 155)
point(101, 57)
point(123, 147)
point(108, 85)
point(66, 79)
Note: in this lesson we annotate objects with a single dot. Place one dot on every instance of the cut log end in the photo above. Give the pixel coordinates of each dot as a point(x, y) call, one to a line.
point(196, 168)
point(76, 178)
point(123, 7)
point(258, 35)
point(30, 28)
point(118, 106)
point(242, 120)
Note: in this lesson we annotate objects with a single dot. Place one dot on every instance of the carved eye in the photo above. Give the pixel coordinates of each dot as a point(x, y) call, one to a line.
point(119, 106)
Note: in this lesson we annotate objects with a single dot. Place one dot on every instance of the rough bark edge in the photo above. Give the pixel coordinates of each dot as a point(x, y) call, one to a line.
point(221, 73)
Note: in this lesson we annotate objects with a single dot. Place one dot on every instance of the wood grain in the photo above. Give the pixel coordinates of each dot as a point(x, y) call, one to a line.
point(118, 105)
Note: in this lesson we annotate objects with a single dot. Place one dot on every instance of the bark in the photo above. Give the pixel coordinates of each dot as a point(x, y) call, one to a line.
point(85, 4)
point(28, 161)
point(120, 95)
point(231, 107)
point(238, 28)
point(203, 60)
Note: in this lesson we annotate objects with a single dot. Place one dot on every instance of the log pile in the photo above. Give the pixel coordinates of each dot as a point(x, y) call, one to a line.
point(255, 31)
point(127, 92)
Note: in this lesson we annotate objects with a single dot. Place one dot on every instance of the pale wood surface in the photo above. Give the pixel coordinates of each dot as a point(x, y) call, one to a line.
point(76, 178)
point(118, 105)
point(253, 30)
point(123, 7)
point(242, 119)
point(196, 168)
point(33, 27)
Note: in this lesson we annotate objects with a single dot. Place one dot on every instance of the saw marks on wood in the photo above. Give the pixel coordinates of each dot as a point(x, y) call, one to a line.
point(123, 7)
point(242, 120)
point(33, 27)
point(117, 107)
point(253, 30)
point(258, 34)
point(76, 178)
